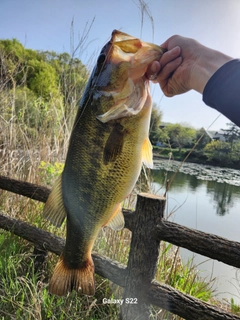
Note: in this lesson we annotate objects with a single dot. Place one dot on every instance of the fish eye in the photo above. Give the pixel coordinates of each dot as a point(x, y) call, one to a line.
point(101, 58)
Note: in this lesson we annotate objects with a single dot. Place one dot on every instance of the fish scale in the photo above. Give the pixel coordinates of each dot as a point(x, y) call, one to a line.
point(108, 144)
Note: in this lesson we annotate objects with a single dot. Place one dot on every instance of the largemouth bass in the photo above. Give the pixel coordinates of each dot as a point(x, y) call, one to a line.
point(108, 144)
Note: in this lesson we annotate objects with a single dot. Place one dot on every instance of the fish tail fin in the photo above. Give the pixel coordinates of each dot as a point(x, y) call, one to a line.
point(64, 279)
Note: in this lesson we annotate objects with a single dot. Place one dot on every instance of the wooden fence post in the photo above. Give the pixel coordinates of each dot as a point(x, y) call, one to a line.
point(143, 257)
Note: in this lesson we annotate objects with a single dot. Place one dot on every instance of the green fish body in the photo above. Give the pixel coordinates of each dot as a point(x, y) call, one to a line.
point(108, 144)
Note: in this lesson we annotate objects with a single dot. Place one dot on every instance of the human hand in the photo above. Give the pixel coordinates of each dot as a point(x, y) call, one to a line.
point(186, 65)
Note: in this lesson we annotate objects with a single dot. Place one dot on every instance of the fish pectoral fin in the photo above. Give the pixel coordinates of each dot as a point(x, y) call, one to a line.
point(123, 100)
point(117, 112)
point(117, 222)
point(147, 156)
point(128, 102)
point(54, 209)
point(114, 144)
point(120, 111)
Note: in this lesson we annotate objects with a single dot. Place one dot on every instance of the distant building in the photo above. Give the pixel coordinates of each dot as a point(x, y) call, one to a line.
point(209, 133)
point(216, 135)
point(220, 135)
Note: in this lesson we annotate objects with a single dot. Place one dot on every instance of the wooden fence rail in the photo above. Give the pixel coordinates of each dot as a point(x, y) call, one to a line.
point(209, 245)
point(137, 278)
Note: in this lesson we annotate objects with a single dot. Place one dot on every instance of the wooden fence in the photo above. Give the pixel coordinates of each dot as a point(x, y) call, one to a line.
point(148, 228)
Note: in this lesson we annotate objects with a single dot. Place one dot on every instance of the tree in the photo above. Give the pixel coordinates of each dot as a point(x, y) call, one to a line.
point(72, 77)
point(180, 136)
point(232, 134)
point(205, 139)
point(218, 151)
point(155, 132)
point(44, 83)
point(11, 53)
point(38, 92)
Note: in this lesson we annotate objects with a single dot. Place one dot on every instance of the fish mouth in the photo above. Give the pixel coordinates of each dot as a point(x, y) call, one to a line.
point(124, 79)
point(139, 53)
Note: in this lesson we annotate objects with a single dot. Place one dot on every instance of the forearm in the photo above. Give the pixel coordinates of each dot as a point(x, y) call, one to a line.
point(207, 63)
point(222, 91)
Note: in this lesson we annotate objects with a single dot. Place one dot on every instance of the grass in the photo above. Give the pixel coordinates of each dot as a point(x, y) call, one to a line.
point(24, 294)
point(183, 277)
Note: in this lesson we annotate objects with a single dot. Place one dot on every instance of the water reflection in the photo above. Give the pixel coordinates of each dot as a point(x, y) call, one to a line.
point(194, 183)
point(208, 206)
point(178, 180)
point(223, 196)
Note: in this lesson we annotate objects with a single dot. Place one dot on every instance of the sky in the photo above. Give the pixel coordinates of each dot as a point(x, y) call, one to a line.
point(46, 25)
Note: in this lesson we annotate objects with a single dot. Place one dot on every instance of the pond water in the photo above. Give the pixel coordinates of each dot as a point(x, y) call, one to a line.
point(208, 199)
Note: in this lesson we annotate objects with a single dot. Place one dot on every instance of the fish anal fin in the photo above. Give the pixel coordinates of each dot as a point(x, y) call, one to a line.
point(114, 144)
point(147, 156)
point(64, 279)
point(54, 209)
point(117, 222)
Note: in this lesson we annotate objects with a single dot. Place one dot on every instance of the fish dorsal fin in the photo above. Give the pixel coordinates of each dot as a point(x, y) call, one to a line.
point(117, 222)
point(114, 144)
point(147, 156)
point(54, 209)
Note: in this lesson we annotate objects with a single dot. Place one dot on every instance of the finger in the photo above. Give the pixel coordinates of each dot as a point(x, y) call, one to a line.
point(168, 69)
point(153, 70)
point(154, 67)
point(170, 56)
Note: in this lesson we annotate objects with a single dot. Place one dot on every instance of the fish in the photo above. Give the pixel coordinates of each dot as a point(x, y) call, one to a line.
point(108, 145)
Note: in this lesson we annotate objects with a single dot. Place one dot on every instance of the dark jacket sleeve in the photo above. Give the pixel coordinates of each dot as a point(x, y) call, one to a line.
point(222, 91)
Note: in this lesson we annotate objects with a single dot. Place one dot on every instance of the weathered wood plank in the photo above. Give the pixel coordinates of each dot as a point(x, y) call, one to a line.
point(184, 305)
point(160, 295)
point(40, 193)
point(26, 189)
point(157, 294)
point(209, 245)
point(44, 240)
